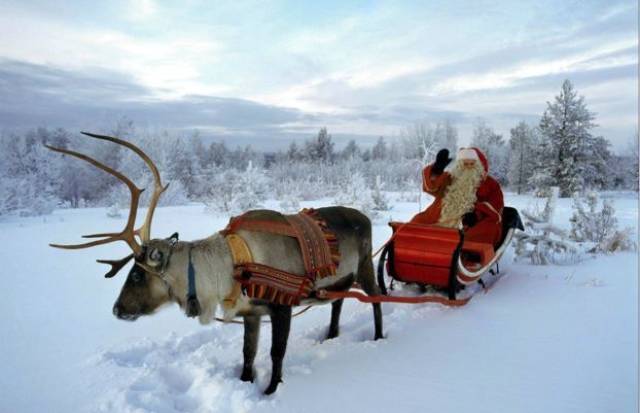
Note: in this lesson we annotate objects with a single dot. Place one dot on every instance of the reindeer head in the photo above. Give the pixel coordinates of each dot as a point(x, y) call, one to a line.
point(144, 290)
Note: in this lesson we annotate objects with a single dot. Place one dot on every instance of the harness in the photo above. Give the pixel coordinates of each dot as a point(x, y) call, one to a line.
point(318, 248)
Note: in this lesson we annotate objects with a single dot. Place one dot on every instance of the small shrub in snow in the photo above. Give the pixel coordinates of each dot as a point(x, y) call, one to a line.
point(114, 211)
point(599, 227)
point(381, 200)
point(617, 241)
point(543, 243)
point(589, 224)
point(354, 193)
point(410, 196)
point(290, 204)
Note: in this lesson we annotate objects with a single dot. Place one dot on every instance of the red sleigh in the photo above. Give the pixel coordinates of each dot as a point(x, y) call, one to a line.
point(429, 255)
point(437, 258)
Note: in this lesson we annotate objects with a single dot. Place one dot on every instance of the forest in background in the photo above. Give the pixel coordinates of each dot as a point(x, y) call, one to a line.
point(559, 151)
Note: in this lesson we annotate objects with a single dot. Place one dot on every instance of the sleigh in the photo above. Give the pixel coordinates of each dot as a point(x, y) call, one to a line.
point(438, 261)
point(440, 258)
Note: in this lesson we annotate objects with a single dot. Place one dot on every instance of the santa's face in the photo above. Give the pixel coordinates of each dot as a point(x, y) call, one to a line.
point(468, 163)
point(468, 168)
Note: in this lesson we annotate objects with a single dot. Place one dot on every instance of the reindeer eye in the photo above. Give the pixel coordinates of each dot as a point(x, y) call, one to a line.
point(155, 255)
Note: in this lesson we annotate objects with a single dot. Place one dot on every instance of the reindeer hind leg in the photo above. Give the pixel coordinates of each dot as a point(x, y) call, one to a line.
point(280, 327)
point(366, 278)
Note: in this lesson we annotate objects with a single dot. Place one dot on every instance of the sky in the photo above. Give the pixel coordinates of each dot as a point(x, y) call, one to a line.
point(267, 72)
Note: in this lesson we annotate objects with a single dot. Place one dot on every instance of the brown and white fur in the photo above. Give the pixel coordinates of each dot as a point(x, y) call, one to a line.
point(159, 277)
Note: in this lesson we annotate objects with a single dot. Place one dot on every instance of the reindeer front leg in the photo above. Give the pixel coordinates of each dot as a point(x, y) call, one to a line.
point(250, 346)
point(280, 326)
point(334, 326)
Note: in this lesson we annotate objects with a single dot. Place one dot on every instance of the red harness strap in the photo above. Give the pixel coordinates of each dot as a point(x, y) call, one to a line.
point(319, 251)
point(333, 295)
point(270, 284)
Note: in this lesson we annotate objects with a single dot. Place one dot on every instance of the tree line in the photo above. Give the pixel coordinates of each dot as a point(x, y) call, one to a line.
point(558, 151)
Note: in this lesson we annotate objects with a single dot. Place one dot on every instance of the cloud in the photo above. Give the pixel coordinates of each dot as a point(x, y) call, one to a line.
point(39, 95)
point(252, 68)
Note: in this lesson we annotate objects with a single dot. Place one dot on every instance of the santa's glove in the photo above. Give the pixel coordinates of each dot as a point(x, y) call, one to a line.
point(442, 160)
point(469, 219)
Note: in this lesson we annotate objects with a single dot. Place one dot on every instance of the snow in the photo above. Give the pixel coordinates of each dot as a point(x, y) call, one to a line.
point(544, 339)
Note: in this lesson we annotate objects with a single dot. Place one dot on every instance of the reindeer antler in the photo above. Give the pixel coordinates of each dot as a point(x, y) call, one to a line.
point(116, 265)
point(128, 233)
point(144, 232)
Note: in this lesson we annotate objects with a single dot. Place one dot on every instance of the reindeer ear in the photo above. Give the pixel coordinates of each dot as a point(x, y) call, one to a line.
point(173, 238)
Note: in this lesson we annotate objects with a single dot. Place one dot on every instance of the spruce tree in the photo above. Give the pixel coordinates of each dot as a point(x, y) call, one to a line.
point(566, 125)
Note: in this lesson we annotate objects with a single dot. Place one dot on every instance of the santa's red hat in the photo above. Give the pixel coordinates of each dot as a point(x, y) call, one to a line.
point(475, 154)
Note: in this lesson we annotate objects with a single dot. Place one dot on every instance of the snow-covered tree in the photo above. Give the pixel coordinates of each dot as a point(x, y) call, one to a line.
point(566, 126)
point(321, 148)
point(543, 178)
point(626, 166)
point(355, 193)
point(183, 166)
point(217, 155)
point(598, 171)
point(237, 191)
point(423, 140)
point(175, 194)
point(447, 135)
point(352, 150)
point(379, 151)
point(293, 153)
point(521, 164)
point(494, 147)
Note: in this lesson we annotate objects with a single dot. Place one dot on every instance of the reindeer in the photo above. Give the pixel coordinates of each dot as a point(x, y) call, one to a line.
point(161, 267)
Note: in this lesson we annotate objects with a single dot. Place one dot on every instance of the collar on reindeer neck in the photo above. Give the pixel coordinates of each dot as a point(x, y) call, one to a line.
point(193, 306)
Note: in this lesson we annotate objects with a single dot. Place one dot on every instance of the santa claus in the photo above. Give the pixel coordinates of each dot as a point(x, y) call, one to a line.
point(466, 194)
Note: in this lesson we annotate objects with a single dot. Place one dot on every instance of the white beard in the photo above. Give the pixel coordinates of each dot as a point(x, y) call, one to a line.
point(460, 196)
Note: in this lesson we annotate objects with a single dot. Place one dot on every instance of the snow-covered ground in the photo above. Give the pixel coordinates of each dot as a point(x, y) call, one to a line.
point(545, 339)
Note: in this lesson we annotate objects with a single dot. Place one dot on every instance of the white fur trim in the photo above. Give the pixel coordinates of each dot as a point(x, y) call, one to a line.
point(466, 153)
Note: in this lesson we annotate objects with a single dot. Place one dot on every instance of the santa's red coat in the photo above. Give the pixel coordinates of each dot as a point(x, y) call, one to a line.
point(488, 206)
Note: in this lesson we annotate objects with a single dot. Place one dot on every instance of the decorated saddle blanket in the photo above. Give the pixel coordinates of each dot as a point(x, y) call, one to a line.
point(318, 247)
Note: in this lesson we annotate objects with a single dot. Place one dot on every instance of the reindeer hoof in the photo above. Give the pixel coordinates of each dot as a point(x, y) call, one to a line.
point(332, 334)
point(273, 386)
point(247, 376)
